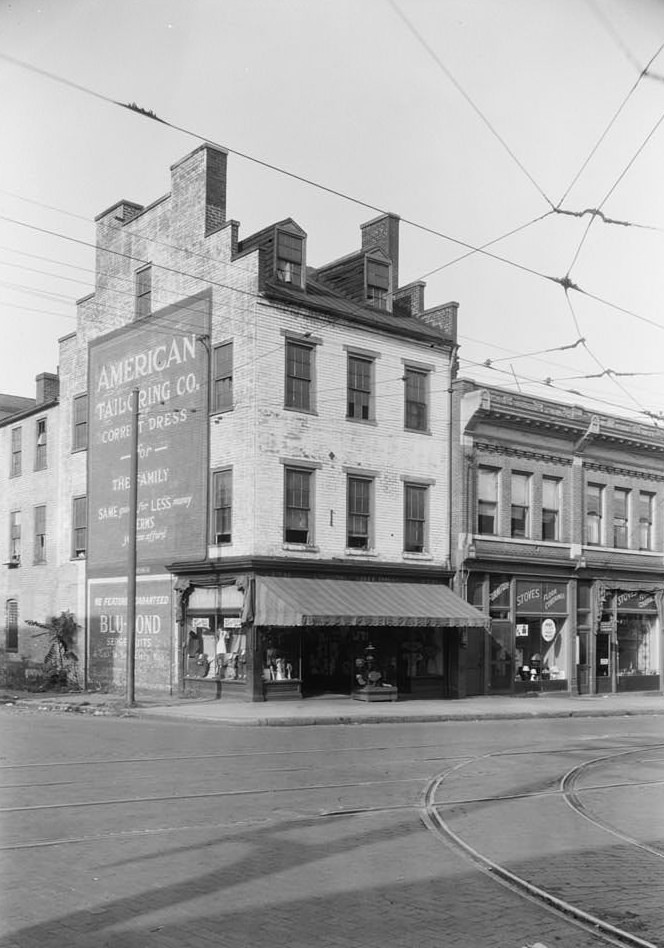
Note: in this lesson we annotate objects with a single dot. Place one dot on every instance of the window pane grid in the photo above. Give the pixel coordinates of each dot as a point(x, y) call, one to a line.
point(40, 534)
point(223, 507)
point(416, 400)
point(80, 422)
point(298, 376)
point(223, 376)
point(415, 513)
point(298, 506)
point(359, 512)
point(359, 388)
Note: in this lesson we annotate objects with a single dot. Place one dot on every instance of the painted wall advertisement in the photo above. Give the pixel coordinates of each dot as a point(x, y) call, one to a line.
point(164, 359)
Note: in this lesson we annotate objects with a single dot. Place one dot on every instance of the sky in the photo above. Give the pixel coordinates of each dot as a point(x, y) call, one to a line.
point(476, 121)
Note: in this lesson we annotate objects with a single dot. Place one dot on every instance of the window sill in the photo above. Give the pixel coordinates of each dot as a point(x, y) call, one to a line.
point(416, 556)
point(351, 551)
point(79, 450)
point(301, 411)
point(301, 547)
point(362, 421)
point(215, 550)
point(221, 411)
point(421, 431)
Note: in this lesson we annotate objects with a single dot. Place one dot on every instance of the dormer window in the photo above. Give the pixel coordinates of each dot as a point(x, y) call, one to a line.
point(290, 258)
point(377, 282)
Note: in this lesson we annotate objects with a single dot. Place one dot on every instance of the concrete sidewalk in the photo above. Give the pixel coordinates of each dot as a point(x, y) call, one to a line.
point(340, 709)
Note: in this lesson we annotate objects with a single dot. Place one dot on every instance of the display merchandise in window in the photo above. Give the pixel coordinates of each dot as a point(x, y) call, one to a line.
point(636, 638)
point(281, 657)
point(540, 649)
point(214, 651)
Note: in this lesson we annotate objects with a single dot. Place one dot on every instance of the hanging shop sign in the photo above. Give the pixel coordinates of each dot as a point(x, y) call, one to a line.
point(548, 630)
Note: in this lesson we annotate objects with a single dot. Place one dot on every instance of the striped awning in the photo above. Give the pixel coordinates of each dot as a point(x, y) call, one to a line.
point(287, 602)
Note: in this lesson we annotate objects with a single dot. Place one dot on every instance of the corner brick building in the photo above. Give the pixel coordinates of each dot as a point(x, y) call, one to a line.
point(560, 541)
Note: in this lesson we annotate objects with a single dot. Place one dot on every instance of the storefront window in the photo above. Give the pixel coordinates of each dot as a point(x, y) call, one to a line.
point(540, 653)
point(216, 647)
point(281, 657)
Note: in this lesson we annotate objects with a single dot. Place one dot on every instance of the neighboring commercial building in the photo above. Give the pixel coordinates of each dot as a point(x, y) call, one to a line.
point(560, 542)
point(293, 456)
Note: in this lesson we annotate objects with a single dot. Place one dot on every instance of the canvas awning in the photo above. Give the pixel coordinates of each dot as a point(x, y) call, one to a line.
point(286, 602)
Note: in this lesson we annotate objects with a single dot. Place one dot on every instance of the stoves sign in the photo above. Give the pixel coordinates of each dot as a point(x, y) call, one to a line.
point(165, 359)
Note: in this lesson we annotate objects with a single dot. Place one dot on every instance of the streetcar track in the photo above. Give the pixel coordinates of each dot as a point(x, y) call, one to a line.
point(434, 821)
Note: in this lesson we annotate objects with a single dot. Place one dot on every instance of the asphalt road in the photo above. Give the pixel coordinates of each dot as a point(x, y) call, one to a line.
point(120, 833)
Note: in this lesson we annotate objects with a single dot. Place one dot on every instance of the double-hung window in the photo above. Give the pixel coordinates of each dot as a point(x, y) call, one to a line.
point(646, 508)
point(290, 258)
point(41, 445)
point(360, 388)
point(621, 518)
point(223, 377)
point(298, 518)
point(79, 527)
point(358, 518)
point(80, 422)
point(520, 517)
point(415, 518)
point(222, 512)
point(143, 292)
point(299, 376)
point(15, 536)
point(594, 511)
point(487, 500)
point(17, 451)
point(416, 391)
point(550, 508)
point(40, 534)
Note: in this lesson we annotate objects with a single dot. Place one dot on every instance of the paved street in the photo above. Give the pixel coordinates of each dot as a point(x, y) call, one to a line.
point(127, 832)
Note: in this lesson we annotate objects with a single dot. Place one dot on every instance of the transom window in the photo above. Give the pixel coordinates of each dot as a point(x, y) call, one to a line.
point(520, 518)
point(223, 377)
point(80, 433)
point(621, 518)
point(222, 515)
point(417, 399)
point(360, 383)
point(290, 257)
point(358, 532)
point(378, 282)
point(594, 510)
point(297, 513)
point(415, 511)
point(487, 500)
point(299, 376)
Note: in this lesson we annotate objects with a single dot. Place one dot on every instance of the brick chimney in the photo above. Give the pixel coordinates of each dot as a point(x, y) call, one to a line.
point(383, 232)
point(47, 388)
point(198, 187)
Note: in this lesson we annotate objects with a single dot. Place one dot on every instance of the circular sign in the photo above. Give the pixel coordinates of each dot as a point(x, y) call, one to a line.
point(548, 630)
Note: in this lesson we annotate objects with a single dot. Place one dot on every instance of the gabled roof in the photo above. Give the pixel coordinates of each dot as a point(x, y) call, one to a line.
point(13, 405)
point(320, 297)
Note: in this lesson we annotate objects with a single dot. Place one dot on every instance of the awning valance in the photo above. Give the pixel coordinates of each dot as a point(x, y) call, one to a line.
point(290, 601)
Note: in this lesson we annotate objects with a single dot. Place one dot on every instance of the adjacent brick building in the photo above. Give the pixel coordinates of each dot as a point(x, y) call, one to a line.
point(560, 541)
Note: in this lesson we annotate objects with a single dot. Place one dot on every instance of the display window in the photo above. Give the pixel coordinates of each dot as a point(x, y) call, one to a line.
point(281, 657)
point(637, 644)
point(216, 647)
point(540, 648)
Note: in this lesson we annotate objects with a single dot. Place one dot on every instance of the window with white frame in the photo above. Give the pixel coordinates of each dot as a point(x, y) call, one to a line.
point(550, 508)
point(80, 423)
point(17, 452)
point(79, 527)
point(40, 534)
point(487, 500)
point(299, 376)
point(222, 508)
point(520, 512)
point(358, 513)
point(360, 387)
point(646, 513)
point(415, 518)
point(223, 377)
point(298, 516)
point(621, 518)
point(594, 513)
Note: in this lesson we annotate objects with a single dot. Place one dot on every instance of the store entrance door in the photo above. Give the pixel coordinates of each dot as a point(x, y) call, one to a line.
point(327, 662)
point(475, 662)
point(501, 644)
